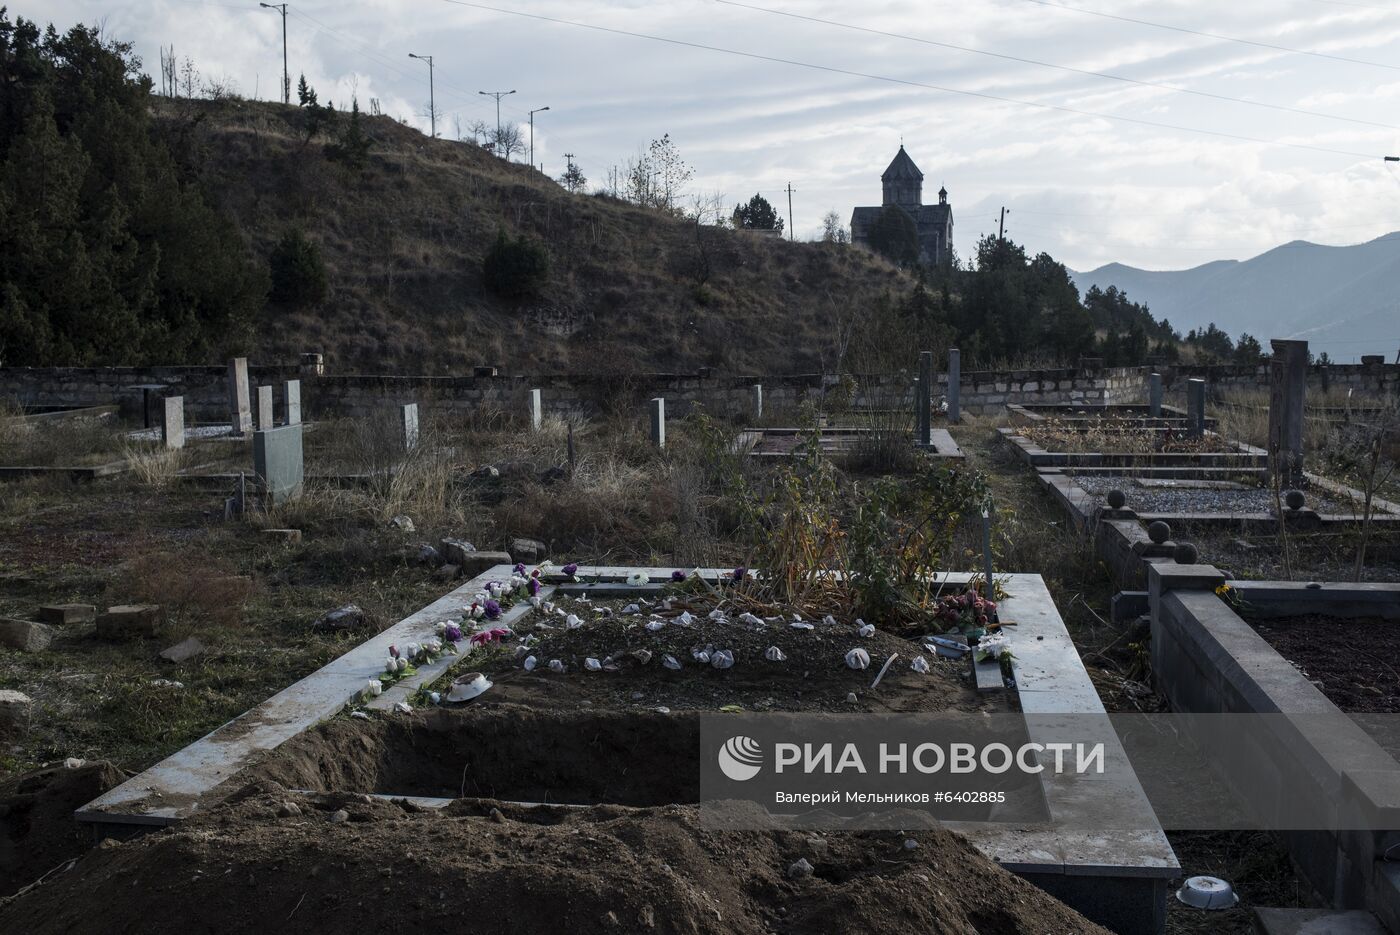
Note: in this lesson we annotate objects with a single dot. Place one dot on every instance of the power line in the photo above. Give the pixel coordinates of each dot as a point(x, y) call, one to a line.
point(907, 82)
point(1078, 71)
point(1211, 35)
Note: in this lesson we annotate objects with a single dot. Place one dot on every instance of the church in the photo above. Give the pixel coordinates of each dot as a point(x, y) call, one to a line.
point(904, 186)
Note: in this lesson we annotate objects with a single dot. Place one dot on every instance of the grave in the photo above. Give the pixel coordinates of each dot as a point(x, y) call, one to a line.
point(954, 385)
point(408, 424)
point(1118, 878)
point(923, 399)
point(1195, 408)
point(658, 422)
point(1288, 385)
point(291, 402)
point(757, 401)
point(172, 425)
point(265, 416)
point(239, 402)
point(277, 462)
point(536, 411)
point(834, 441)
point(1154, 394)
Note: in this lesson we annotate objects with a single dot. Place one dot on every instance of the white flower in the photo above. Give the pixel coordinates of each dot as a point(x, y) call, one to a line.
point(402, 664)
point(858, 659)
point(993, 645)
point(413, 650)
point(375, 688)
point(391, 665)
point(440, 627)
point(478, 611)
point(867, 629)
point(920, 665)
point(535, 601)
point(637, 578)
point(774, 654)
point(432, 645)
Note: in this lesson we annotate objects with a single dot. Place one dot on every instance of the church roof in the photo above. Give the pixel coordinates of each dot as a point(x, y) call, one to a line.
point(902, 167)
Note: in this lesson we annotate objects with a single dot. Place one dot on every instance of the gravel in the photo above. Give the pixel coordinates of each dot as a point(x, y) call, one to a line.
point(1194, 500)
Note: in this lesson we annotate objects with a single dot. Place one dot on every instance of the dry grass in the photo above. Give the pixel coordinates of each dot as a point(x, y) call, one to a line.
point(73, 442)
point(154, 466)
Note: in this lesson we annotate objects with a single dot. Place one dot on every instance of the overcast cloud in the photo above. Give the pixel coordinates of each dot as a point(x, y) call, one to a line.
point(1087, 189)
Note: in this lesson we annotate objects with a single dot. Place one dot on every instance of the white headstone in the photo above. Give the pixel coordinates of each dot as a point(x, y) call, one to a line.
point(410, 426)
point(291, 399)
point(536, 411)
point(240, 406)
point(172, 425)
point(265, 414)
point(658, 421)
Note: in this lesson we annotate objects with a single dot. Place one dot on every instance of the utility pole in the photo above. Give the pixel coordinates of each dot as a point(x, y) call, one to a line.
point(1001, 227)
point(286, 75)
point(532, 132)
point(432, 103)
point(789, 191)
point(497, 95)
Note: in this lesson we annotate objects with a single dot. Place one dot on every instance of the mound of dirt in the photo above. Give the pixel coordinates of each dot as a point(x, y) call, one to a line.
point(37, 830)
point(271, 861)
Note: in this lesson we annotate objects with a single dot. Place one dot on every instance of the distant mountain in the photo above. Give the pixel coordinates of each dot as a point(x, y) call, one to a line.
point(1342, 300)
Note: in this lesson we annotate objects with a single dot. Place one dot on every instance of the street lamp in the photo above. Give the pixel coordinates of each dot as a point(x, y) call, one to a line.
point(432, 103)
point(532, 133)
point(286, 76)
point(497, 95)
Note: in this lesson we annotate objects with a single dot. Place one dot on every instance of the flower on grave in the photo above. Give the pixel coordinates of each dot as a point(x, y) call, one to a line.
point(492, 609)
point(489, 635)
point(391, 665)
point(520, 569)
point(432, 646)
point(544, 567)
point(452, 633)
point(993, 646)
point(393, 651)
point(496, 588)
point(739, 574)
point(374, 687)
point(533, 586)
point(677, 577)
point(413, 650)
point(637, 579)
point(570, 569)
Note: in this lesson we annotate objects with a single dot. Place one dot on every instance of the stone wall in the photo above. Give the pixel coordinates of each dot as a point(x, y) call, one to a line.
point(205, 390)
point(1377, 379)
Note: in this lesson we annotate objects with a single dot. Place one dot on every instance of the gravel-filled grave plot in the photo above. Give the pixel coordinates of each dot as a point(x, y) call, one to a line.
point(1193, 497)
point(1352, 660)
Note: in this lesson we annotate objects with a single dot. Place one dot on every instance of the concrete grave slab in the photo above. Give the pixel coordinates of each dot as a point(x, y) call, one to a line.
point(66, 614)
point(128, 621)
point(27, 636)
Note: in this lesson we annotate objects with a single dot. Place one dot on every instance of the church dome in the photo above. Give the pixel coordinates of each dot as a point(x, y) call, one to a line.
point(902, 168)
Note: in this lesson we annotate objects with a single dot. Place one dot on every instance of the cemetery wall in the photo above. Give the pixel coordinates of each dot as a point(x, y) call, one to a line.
point(330, 394)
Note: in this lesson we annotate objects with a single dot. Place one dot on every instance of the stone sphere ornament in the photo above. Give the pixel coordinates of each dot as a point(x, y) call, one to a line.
point(1294, 499)
point(1158, 531)
point(1185, 553)
point(1117, 499)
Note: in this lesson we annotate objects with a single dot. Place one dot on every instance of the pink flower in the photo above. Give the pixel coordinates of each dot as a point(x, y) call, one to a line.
point(491, 635)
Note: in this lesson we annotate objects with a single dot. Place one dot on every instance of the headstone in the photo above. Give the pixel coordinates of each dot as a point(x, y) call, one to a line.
point(1154, 394)
point(536, 411)
point(529, 551)
point(475, 563)
point(291, 402)
point(923, 417)
point(172, 422)
point(954, 385)
point(265, 416)
point(758, 401)
point(313, 364)
point(1288, 384)
point(127, 620)
point(277, 462)
point(14, 713)
point(409, 421)
point(66, 614)
point(1195, 408)
point(240, 409)
point(457, 551)
point(658, 422)
point(25, 635)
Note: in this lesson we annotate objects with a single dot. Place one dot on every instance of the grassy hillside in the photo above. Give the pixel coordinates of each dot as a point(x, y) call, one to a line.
point(404, 240)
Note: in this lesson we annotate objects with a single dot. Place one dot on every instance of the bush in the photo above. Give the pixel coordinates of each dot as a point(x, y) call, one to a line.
point(298, 272)
point(516, 267)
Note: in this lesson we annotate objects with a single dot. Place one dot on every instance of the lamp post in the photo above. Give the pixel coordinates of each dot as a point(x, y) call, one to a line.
point(286, 75)
point(532, 132)
point(432, 102)
point(497, 95)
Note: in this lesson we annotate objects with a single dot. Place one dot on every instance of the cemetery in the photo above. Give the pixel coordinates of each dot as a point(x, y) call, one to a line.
point(472, 632)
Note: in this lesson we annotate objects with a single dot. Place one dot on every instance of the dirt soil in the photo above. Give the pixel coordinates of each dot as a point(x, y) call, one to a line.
point(1352, 660)
point(506, 869)
point(814, 676)
point(37, 830)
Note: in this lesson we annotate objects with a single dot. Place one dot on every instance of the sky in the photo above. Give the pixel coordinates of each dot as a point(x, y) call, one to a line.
point(1091, 169)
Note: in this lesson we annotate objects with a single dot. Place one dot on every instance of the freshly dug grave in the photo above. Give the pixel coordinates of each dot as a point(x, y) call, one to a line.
point(37, 830)
point(505, 869)
point(813, 677)
point(1351, 660)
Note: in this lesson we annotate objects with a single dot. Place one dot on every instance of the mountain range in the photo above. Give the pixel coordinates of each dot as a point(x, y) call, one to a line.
point(1345, 301)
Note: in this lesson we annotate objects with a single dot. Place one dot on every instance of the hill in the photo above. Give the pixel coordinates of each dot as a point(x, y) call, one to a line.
point(1344, 300)
point(629, 288)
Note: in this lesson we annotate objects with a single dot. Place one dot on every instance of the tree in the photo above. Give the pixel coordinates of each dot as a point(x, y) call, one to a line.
point(306, 95)
point(833, 231)
point(573, 178)
point(1248, 350)
point(757, 215)
point(672, 174)
point(299, 278)
point(506, 140)
point(515, 268)
point(352, 148)
point(1212, 345)
point(894, 236)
